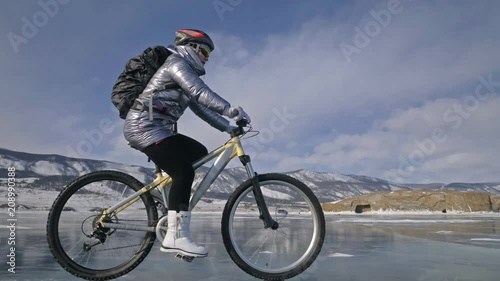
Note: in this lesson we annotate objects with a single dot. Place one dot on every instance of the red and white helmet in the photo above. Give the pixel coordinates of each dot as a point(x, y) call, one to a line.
point(186, 36)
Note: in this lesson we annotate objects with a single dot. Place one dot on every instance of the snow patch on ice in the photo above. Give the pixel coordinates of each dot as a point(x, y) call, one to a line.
point(339, 255)
point(485, 239)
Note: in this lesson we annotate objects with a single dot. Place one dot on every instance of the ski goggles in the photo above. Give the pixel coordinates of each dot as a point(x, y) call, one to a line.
point(204, 50)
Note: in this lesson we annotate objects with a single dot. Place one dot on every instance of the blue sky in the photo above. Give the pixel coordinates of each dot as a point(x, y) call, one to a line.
point(402, 90)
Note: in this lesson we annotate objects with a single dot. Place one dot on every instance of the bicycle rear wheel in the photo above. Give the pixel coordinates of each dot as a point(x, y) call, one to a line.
point(274, 254)
point(84, 248)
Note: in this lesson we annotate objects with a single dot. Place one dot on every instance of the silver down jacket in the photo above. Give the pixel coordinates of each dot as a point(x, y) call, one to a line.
point(183, 67)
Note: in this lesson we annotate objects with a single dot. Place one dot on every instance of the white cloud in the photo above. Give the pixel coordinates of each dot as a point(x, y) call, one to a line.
point(405, 147)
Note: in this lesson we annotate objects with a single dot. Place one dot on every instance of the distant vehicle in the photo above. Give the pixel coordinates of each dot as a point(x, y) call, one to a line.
point(282, 212)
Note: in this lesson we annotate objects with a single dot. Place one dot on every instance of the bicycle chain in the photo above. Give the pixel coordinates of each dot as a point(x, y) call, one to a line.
point(115, 248)
point(102, 250)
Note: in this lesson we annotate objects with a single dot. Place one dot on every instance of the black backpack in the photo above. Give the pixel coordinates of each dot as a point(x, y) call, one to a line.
point(134, 79)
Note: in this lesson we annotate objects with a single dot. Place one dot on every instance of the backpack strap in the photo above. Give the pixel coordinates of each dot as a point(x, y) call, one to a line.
point(168, 86)
point(151, 108)
point(140, 106)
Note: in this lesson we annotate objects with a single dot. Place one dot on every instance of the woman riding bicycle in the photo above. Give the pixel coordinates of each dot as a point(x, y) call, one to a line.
point(154, 131)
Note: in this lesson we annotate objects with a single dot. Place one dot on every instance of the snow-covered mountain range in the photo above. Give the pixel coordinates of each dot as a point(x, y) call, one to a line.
point(50, 173)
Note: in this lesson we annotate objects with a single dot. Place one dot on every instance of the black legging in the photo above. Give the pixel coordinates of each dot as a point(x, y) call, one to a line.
point(175, 155)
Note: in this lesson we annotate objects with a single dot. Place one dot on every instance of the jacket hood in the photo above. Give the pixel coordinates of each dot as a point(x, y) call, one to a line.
point(190, 56)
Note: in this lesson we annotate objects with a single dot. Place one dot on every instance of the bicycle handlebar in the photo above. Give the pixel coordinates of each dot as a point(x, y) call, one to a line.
point(239, 131)
point(242, 123)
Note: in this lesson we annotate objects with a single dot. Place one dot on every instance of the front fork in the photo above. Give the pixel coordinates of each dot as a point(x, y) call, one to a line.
point(265, 216)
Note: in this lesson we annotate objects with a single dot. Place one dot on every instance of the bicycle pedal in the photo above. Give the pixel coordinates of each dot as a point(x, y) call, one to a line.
point(184, 258)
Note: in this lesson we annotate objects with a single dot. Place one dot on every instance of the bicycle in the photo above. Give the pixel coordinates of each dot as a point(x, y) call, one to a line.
point(104, 224)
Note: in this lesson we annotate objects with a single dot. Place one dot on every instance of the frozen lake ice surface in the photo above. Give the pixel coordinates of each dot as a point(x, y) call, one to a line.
point(381, 246)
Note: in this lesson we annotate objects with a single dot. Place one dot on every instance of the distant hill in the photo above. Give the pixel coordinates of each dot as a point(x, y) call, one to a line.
point(52, 172)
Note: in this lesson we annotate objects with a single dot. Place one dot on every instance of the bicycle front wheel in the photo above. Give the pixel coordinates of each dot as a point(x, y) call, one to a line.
point(86, 249)
point(274, 254)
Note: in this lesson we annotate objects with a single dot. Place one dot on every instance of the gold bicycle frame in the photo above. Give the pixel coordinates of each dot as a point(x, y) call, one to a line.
point(224, 155)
